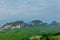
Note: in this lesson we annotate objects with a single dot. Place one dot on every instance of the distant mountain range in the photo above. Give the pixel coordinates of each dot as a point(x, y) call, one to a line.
point(20, 24)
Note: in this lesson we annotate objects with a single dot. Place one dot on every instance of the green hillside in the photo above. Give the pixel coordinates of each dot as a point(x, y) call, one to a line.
point(26, 32)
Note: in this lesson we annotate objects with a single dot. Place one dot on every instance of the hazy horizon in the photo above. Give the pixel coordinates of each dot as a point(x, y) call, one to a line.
point(28, 10)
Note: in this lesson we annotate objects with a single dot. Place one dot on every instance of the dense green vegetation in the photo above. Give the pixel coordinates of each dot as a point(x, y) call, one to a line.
point(36, 30)
point(26, 32)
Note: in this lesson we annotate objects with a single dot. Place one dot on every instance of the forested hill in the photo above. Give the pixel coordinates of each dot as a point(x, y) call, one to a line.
point(35, 30)
point(20, 24)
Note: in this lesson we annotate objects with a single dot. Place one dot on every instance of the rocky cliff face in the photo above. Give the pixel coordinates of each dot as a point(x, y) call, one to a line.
point(13, 25)
point(19, 24)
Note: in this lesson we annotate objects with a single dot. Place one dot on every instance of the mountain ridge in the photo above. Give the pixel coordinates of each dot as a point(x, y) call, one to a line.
point(20, 24)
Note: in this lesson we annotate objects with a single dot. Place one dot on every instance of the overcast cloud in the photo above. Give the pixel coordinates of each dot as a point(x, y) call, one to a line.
point(46, 10)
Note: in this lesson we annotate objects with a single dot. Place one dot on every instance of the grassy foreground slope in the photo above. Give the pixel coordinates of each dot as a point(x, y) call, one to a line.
point(26, 32)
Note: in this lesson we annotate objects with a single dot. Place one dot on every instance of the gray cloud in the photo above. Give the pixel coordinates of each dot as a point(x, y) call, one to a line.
point(33, 9)
point(21, 7)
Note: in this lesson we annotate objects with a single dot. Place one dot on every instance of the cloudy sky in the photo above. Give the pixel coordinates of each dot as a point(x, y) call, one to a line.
point(27, 10)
